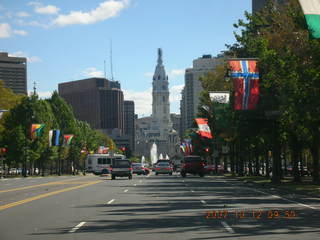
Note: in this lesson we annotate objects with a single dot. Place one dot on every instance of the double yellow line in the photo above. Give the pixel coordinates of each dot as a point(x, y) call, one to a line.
point(13, 204)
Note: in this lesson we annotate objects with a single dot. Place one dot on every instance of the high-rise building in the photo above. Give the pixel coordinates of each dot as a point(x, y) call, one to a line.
point(192, 89)
point(94, 101)
point(257, 5)
point(13, 72)
point(129, 118)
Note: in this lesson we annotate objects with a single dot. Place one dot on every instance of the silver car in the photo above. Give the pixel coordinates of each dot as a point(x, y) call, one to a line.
point(163, 168)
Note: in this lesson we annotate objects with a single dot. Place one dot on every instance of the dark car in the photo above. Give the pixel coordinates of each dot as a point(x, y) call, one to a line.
point(193, 165)
point(163, 168)
point(138, 169)
point(121, 168)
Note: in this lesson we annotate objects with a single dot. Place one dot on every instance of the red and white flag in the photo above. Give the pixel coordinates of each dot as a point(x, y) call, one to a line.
point(204, 129)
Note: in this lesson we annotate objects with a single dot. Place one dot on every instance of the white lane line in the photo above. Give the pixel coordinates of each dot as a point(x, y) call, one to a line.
point(126, 190)
point(227, 227)
point(77, 227)
point(191, 190)
point(134, 184)
point(111, 201)
point(288, 200)
point(203, 202)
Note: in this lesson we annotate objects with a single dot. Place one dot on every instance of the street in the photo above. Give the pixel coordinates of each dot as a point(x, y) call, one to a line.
point(152, 207)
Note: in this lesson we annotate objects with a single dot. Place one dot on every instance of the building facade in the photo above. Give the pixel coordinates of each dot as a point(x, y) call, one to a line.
point(257, 5)
point(191, 93)
point(95, 102)
point(129, 118)
point(13, 72)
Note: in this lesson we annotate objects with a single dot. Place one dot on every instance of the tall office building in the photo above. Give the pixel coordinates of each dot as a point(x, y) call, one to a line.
point(129, 118)
point(257, 5)
point(192, 89)
point(13, 72)
point(94, 101)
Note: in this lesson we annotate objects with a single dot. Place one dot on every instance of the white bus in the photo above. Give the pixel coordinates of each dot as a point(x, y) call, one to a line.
point(95, 163)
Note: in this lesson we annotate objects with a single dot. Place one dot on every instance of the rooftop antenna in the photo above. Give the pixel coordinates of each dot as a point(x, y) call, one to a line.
point(111, 65)
point(104, 66)
point(34, 88)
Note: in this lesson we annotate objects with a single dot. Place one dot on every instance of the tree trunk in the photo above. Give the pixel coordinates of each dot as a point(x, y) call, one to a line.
point(315, 156)
point(276, 158)
point(232, 157)
point(295, 159)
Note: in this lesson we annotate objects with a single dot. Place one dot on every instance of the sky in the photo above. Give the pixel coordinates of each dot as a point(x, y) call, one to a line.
point(70, 40)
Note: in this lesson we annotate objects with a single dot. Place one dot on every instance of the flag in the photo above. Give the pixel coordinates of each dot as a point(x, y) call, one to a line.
point(245, 76)
point(204, 129)
point(36, 130)
point(67, 138)
point(311, 10)
point(54, 137)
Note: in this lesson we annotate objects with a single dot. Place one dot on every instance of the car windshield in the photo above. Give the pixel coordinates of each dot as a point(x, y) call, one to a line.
point(192, 159)
point(163, 164)
point(122, 163)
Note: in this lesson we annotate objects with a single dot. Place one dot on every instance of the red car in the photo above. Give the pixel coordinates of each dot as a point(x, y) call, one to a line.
point(194, 165)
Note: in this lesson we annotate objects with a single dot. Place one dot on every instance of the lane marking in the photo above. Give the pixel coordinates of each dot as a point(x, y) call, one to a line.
point(227, 227)
point(13, 204)
point(39, 185)
point(288, 200)
point(134, 184)
point(203, 202)
point(191, 190)
point(77, 227)
point(126, 190)
point(111, 201)
point(140, 181)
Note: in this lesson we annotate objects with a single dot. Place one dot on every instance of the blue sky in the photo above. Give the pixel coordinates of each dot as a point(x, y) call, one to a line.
point(70, 40)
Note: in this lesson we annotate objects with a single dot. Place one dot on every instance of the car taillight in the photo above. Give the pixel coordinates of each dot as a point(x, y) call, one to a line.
point(157, 168)
point(203, 164)
point(130, 169)
point(110, 169)
point(168, 168)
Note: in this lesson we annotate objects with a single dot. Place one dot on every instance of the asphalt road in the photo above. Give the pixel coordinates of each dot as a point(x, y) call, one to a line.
point(153, 207)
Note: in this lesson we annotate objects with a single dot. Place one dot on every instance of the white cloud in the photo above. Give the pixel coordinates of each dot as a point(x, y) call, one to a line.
point(6, 31)
point(105, 10)
point(44, 95)
point(175, 93)
point(41, 9)
point(92, 72)
point(31, 59)
point(142, 100)
point(22, 14)
point(20, 32)
point(176, 72)
point(49, 9)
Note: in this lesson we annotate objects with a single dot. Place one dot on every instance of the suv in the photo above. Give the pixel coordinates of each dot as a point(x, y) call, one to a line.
point(121, 168)
point(192, 164)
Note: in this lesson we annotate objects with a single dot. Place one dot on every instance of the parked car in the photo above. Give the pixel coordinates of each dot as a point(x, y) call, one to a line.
point(163, 168)
point(194, 165)
point(121, 168)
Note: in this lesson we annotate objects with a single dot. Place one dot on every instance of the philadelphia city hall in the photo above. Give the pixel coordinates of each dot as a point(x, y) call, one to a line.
point(158, 128)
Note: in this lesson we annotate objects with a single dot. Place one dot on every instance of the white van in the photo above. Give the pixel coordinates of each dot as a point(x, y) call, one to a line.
point(95, 163)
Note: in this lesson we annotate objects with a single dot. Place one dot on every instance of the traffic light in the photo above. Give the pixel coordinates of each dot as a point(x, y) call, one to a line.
point(3, 151)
